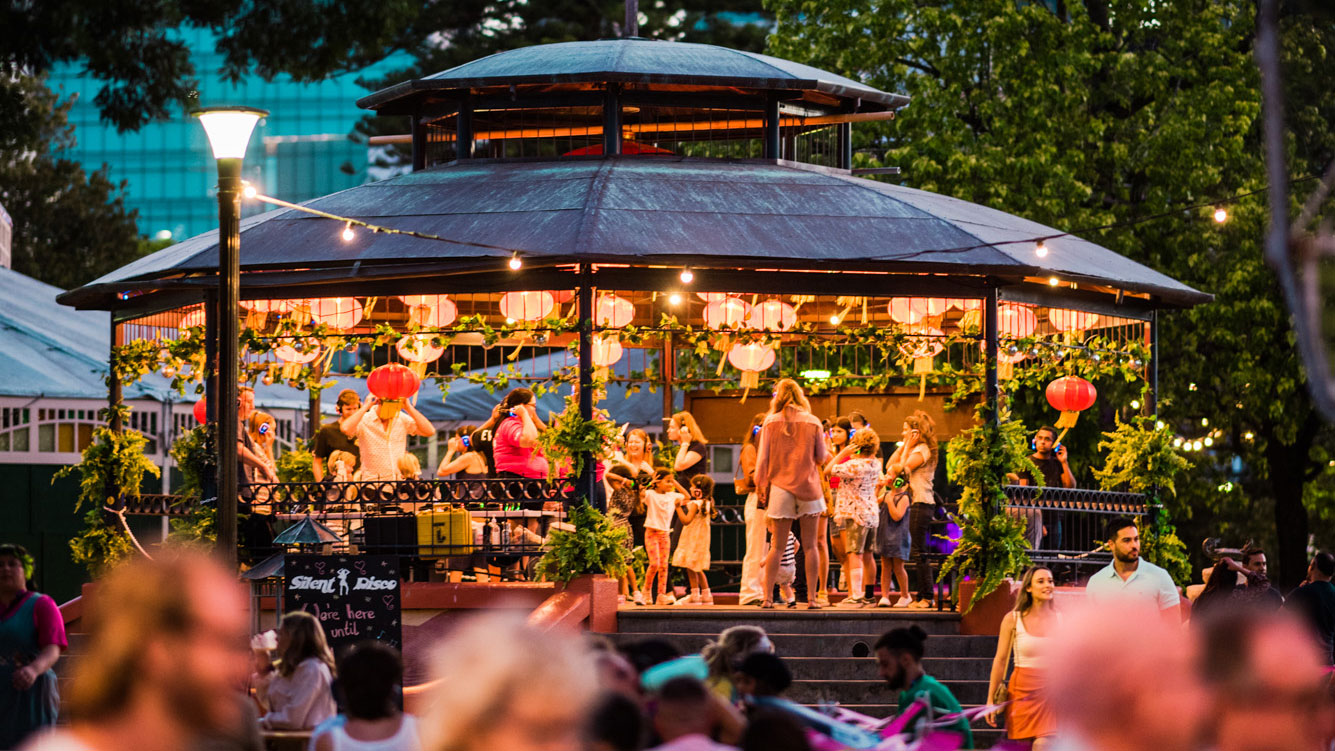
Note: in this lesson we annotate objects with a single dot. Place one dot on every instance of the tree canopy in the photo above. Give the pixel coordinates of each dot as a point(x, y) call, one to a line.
point(1104, 112)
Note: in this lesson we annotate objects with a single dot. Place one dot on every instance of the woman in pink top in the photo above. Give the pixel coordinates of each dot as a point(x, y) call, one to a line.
point(788, 481)
point(515, 443)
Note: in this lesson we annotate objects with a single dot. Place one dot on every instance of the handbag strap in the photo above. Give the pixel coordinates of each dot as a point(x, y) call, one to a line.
point(1015, 635)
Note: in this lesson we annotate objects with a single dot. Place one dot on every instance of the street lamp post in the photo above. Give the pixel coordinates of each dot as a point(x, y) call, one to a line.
point(229, 130)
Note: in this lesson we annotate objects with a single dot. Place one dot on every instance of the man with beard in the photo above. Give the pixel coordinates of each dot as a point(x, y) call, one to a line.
point(167, 655)
point(899, 661)
point(1129, 577)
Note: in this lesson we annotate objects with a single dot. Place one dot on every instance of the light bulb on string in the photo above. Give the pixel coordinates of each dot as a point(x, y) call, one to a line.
point(248, 190)
point(348, 234)
point(674, 299)
point(515, 262)
point(1053, 281)
point(687, 276)
point(1220, 215)
point(834, 320)
point(1208, 442)
point(509, 322)
point(1041, 250)
point(1135, 404)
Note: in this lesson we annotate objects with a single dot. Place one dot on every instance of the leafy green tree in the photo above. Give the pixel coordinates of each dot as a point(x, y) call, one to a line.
point(70, 226)
point(1103, 112)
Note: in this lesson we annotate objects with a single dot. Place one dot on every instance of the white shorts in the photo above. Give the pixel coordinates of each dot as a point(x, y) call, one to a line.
point(785, 505)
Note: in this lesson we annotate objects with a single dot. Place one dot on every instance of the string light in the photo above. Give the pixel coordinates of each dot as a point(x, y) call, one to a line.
point(687, 276)
point(1135, 404)
point(1158, 425)
point(834, 320)
point(674, 299)
point(1205, 422)
point(348, 234)
point(1220, 214)
point(1041, 250)
point(515, 262)
point(1208, 441)
point(1053, 281)
point(509, 322)
point(1249, 435)
point(248, 190)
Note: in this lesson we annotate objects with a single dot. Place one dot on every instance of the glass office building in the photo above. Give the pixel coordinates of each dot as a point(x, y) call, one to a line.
point(301, 151)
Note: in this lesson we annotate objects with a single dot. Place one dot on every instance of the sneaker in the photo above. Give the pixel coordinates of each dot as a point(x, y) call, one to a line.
point(707, 598)
point(904, 602)
point(884, 602)
point(621, 599)
point(638, 597)
point(852, 602)
point(920, 604)
point(666, 599)
point(688, 600)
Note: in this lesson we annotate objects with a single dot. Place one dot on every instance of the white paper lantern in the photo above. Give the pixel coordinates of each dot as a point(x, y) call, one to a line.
point(613, 312)
point(527, 306)
point(338, 313)
point(772, 315)
point(729, 312)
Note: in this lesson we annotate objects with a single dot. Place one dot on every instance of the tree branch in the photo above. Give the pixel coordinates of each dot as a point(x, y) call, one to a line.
point(927, 68)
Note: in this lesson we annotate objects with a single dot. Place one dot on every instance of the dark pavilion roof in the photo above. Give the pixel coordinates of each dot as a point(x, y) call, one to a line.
point(632, 61)
point(641, 210)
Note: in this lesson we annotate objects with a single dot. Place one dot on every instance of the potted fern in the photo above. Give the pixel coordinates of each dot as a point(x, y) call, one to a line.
point(1141, 459)
point(992, 547)
point(588, 559)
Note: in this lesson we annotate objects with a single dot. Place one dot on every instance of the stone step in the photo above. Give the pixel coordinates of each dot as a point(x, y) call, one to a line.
point(834, 620)
point(836, 668)
point(873, 691)
point(825, 645)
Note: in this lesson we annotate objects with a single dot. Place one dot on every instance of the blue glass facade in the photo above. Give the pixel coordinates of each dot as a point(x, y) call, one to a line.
point(299, 152)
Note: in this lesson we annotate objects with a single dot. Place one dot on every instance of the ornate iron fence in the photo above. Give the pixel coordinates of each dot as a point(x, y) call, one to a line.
point(1066, 525)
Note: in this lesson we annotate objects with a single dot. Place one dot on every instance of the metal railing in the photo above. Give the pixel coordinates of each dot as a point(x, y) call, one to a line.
point(1066, 525)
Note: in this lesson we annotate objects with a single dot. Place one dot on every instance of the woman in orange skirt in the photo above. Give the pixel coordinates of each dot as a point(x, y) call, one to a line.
point(1024, 632)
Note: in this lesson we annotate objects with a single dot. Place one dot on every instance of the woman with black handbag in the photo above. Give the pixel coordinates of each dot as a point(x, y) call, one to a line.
point(1025, 631)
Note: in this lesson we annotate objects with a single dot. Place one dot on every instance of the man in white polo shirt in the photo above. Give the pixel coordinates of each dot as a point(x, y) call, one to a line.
point(1130, 577)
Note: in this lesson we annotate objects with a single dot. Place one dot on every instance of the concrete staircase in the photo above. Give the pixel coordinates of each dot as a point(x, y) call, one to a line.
point(830, 651)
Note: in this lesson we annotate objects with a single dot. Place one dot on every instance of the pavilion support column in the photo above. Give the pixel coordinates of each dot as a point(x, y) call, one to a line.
point(210, 479)
point(669, 376)
point(586, 478)
point(846, 146)
point(114, 391)
point(419, 142)
point(1152, 399)
point(612, 120)
point(772, 128)
point(992, 345)
point(313, 414)
point(463, 130)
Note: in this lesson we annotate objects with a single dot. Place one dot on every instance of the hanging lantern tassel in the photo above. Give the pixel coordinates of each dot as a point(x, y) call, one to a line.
point(1005, 370)
point(255, 319)
point(722, 344)
point(418, 368)
point(922, 367)
point(418, 315)
point(290, 371)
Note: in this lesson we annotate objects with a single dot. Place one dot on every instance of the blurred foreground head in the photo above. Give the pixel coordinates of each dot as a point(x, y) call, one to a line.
point(1123, 678)
point(503, 684)
point(1267, 683)
point(169, 639)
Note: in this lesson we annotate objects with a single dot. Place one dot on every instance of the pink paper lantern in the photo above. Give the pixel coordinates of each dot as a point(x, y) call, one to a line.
point(298, 351)
point(418, 348)
point(338, 313)
point(912, 310)
point(712, 296)
point(729, 312)
point(527, 306)
point(1072, 320)
point(772, 315)
point(1016, 321)
point(613, 312)
point(924, 343)
point(430, 311)
point(606, 351)
point(192, 319)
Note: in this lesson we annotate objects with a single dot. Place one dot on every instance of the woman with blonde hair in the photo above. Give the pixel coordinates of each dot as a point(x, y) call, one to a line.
point(789, 460)
point(298, 694)
point(502, 684)
point(263, 430)
point(916, 460)
point(731, 647)
point(1025, 632)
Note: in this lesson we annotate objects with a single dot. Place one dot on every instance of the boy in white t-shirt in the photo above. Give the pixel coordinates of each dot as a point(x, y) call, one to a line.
point(660, 502)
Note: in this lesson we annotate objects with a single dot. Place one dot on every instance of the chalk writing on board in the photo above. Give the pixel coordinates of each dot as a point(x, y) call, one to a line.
point(355, 597)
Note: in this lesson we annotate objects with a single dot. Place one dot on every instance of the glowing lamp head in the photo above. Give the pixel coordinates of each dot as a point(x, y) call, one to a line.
point(1221, 215)
point(229, 129)
point(1041, 250)
point(348, 234)
point(674, 299)
point(515, 262)
point(687, 276)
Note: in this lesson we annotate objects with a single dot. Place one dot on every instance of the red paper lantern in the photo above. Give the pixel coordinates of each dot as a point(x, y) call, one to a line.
point(392, 382)
point(1071, 395)
point(613, 312)
point(201, 411)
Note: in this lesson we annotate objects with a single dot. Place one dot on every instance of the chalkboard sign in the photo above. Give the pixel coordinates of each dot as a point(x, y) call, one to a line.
point(355, 597)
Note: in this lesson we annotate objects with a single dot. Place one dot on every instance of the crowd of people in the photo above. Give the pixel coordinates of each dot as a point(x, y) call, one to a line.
point(170, 664)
